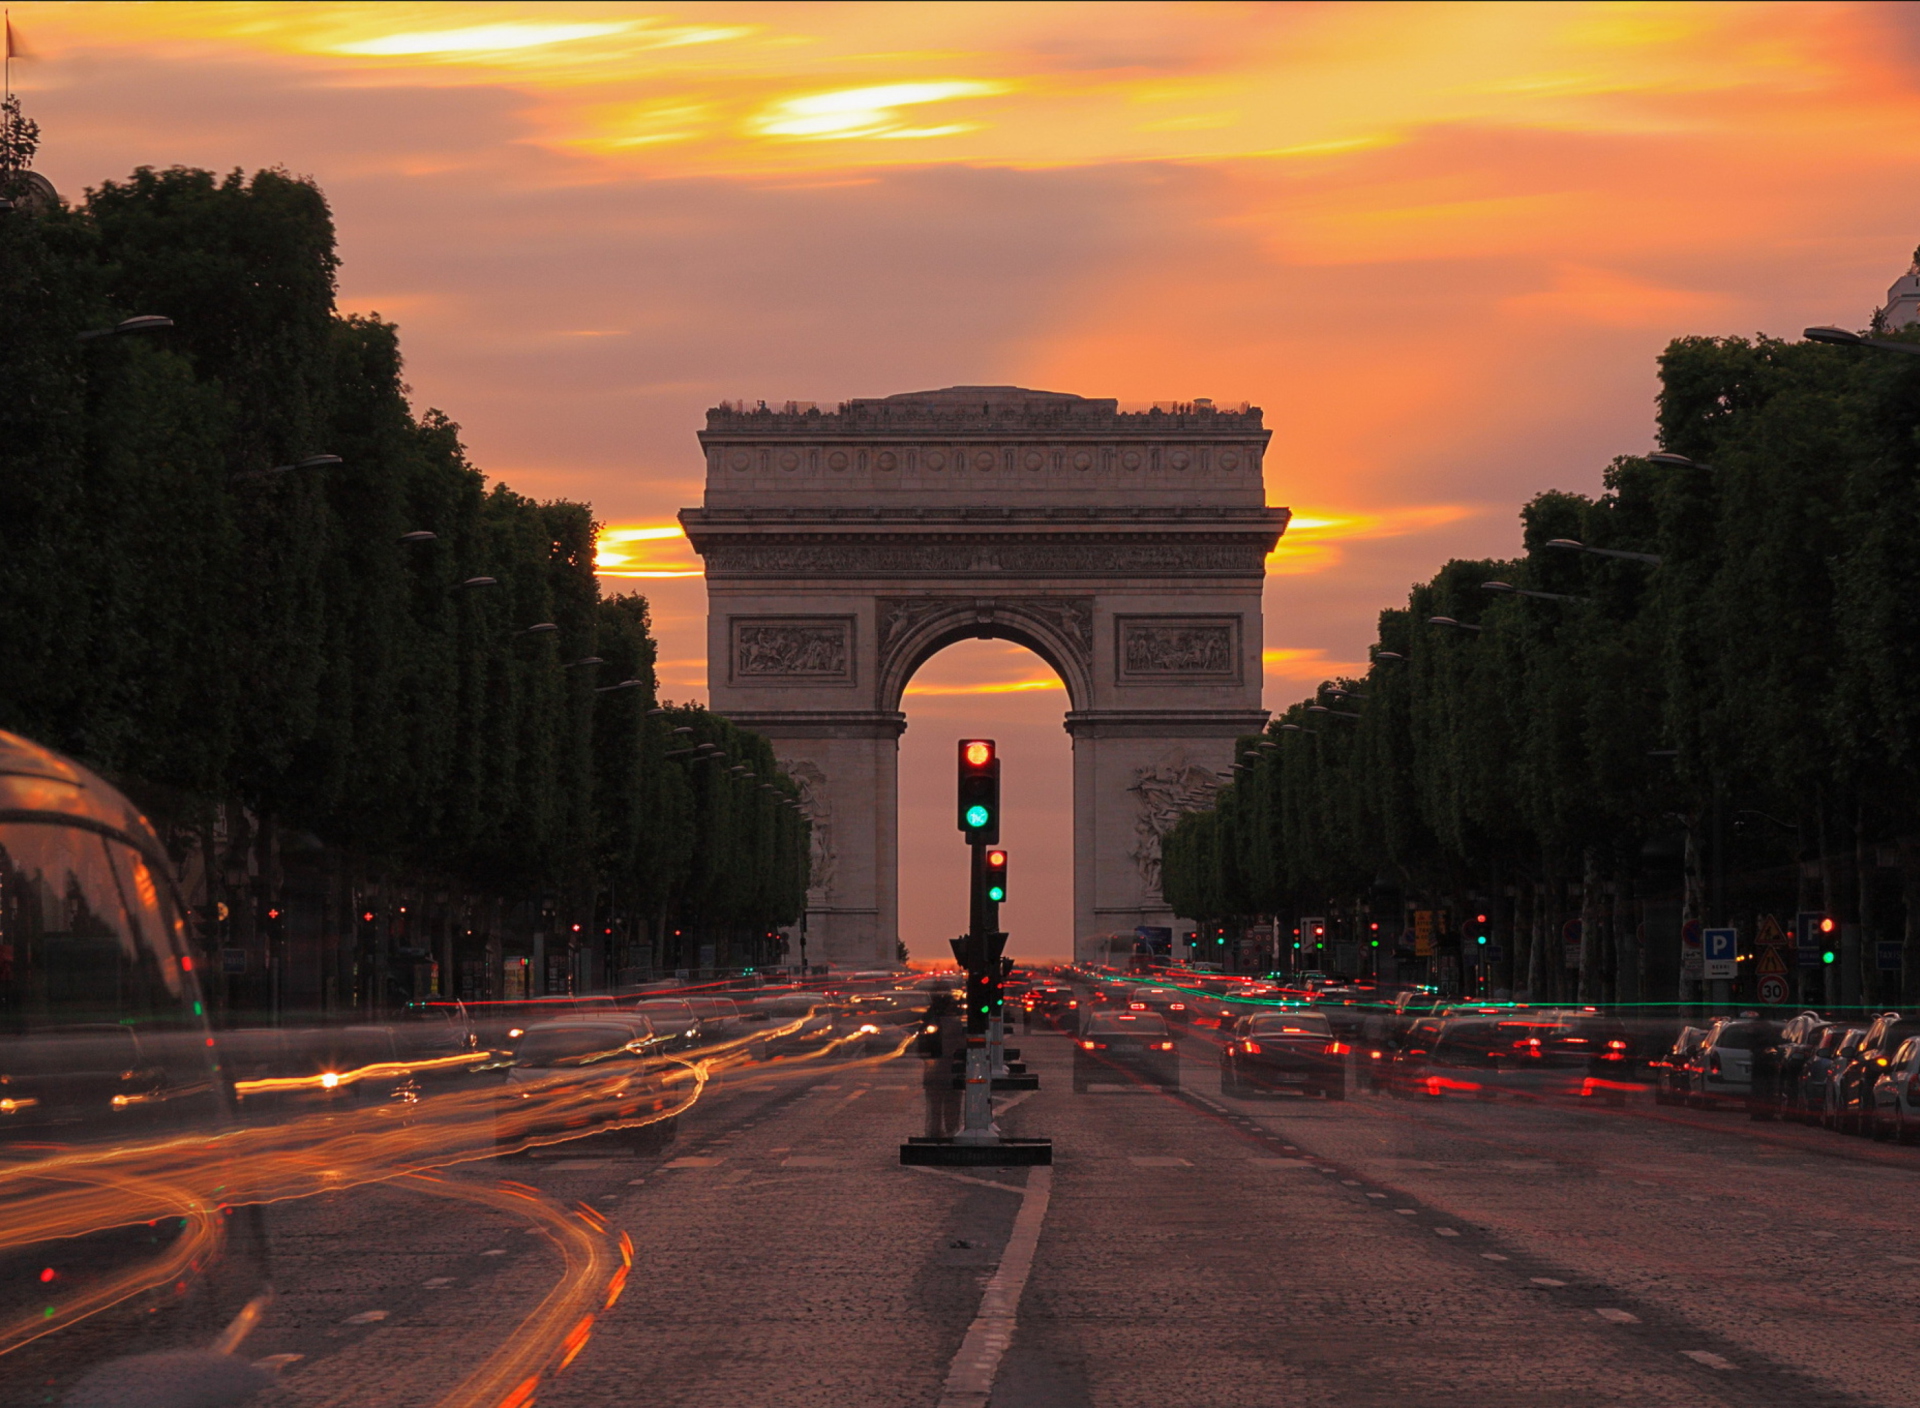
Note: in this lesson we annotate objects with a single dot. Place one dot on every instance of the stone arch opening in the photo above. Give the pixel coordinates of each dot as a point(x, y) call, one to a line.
point(1002, 690)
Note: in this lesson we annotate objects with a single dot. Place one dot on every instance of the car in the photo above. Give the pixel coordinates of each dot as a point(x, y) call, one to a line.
point(584, 1076)
point(1294, 1050)
point(1673, 1071)
point(1173, 1004)
point(1116, 1046)
point(1722, 1070)
point(1816, 1093)
point(1896, 1095)
point(1050, 1003)
point(1852, 1080)
point(673, 1019)
point(1800, 1037)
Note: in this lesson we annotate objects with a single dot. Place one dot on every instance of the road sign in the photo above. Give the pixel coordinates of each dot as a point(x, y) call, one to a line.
point(1887, 957)
point(1771, 935)
point(1720, 952)
point(1809, 957)
point(1773, 989)
point(1772, 960)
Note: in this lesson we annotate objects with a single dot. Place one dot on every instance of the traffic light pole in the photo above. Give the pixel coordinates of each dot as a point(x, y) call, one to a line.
point(979, 1141)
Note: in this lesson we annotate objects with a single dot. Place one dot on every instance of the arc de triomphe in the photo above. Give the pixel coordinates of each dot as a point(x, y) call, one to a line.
point(1127, 550)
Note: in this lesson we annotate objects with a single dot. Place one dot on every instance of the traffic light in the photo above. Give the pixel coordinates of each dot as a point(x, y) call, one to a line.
point(979, 791)
point(1313, 932)
point(1481, 933)
point(995, 875)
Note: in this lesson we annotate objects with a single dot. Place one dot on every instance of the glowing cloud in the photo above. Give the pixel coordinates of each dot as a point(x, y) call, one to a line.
point(1312, 541)
point(479, 39)
point(866, 112)
point(624, 552)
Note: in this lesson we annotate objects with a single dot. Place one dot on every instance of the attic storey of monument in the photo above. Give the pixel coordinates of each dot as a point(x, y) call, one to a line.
point(843, 549)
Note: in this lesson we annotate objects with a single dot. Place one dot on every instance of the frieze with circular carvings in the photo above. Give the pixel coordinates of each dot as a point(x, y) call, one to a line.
point(1179, 459)
point(741, 459)
point(983, 460)
point(1082, 460)
point(936, 460)
point(1035, 459)
point(1131, 459)
point(837, 460)
point(1229, 459)
point(885, 460)
point(789, 460)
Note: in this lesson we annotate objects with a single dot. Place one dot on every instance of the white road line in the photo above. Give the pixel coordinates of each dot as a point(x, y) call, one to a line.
point(1708, 1358)
point(365, 1317)
point(1617, 1317)
point(1445, 1232)
point(1546, 1281)
point(1492, 1256)
point(970, 1377)
point(1000, 1107)
point(966, 1178)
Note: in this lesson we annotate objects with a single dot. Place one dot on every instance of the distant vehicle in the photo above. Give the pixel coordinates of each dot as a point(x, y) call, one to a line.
point(1051, 1004)
point(1171, 1003)
point(578, 1077)
point(1817, 1096)
point(1284, 1051)
point(673, 1019)
point(1125, 1046)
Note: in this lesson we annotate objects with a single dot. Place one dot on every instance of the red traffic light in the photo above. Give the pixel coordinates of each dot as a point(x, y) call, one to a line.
point(1826, 924)
point(976, 752)
point(996, 859)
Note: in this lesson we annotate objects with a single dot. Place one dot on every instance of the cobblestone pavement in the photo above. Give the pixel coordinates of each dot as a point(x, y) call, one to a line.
point(1195, 1249)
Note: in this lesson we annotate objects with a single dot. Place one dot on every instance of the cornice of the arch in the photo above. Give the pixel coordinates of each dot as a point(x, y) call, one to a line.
point(911, 629)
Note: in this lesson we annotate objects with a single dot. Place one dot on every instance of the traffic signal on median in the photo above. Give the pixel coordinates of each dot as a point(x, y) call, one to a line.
point(979, 791)
point(994, 877)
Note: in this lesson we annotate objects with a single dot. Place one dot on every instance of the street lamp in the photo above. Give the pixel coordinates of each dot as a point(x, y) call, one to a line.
point(310, 462)
point(1291, 728)
point(420, 536)
point(1575, 545)
point(539, 628)
point(610, 688)
point(146, 322)
point(1333, 713)
point(1840, 337)
point(584, 660)
point(1672, 461)
point(1388, 655)
point(1455, 625)
point(481, 582)
point(1508, 589)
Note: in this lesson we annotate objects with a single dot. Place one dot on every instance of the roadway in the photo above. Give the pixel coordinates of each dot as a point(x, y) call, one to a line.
point(1185, 1249)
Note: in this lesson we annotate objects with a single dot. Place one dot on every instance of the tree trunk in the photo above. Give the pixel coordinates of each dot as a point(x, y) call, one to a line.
point(1590, 899)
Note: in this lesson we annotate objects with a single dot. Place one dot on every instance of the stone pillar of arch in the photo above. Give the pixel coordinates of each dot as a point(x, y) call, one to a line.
point(1127, 549)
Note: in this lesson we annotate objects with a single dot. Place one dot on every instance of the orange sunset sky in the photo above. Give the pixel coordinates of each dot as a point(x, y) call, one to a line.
point(1441, 245)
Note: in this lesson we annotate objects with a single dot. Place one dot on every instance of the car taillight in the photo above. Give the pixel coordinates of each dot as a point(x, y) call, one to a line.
point(1252, 1048)
point(1374, 1054)
point(1176, 1007)
point(1074, 1003)
point(1136, 1006)
point(1163, 1046)
point(1093, 1046)
point(1338, 1048)
point(1616, 1046)
point(1714, 1064)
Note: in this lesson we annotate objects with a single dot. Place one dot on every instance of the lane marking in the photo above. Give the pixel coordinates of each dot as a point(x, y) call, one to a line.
point(970, 1377)
point(1005, 1103)
point(1617, 1317)
point(1492, 1256)
point(1546, 1281)
point(1445, 1232)
point(700, 1161)
point(1408, 1212)
point(1376, 1195)
point(436, 1282)
point(967, 1178)
point(1708, 1358)
point(494, 1251)
point(366, 1317)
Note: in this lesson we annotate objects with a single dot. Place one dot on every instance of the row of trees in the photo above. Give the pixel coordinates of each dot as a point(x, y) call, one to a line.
point(1721, 714)
point(239, 571)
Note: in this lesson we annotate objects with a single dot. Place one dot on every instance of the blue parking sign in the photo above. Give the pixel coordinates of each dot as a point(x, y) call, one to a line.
point(1720, 948)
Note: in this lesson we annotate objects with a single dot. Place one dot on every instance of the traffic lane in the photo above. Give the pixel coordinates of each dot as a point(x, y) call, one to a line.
point(390, 1293)
point(1754, 1235)
point(798, 1263)
point(1189, 1258)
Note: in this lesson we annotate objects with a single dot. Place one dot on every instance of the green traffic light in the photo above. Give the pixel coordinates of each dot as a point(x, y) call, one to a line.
point(976, 816)
point(995, 893)
point(1827, 957)
point(1482, 939)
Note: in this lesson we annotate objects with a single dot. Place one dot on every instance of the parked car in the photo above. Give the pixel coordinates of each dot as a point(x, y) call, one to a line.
point(1896, 1095)
point(1126, 1046)
point(1673, 1072)
point(1800, 1037)
point(1817, 1096)
point(1284, 1051)
point(1723, 1069)
point(1851, 1080)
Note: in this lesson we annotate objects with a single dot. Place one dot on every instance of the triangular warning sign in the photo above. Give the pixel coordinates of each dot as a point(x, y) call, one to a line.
point(1772, 961)
point(1771, 933)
